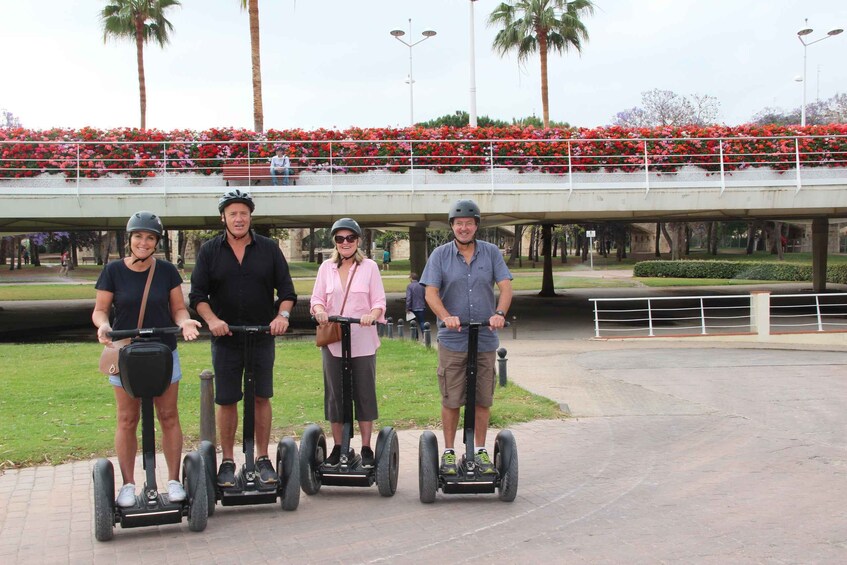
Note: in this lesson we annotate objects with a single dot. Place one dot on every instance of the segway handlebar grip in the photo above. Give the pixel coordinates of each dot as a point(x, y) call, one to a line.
point(339, 319)
point(143, 332)
point(250, 329)
point(467, 324)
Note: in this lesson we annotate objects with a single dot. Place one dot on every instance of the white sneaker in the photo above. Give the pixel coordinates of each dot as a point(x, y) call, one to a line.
point(175, 491)
point(126, 498)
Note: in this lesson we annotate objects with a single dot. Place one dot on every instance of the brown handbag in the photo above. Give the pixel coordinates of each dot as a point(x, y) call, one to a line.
point(109, 356)
point(331, 331)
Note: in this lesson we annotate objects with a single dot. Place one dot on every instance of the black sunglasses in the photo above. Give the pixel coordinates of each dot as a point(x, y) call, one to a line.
point(349, 238)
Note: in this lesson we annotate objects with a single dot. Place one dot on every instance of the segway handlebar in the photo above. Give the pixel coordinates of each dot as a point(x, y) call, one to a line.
point(340, 319)
point(143, 332)
point(467, 324)
point(250, 329)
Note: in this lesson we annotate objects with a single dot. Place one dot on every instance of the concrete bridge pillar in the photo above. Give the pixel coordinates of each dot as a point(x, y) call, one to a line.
point(417, 249)
point(820, 234)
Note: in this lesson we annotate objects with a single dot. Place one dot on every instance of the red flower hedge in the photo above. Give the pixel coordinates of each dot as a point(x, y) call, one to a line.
point(93, 153)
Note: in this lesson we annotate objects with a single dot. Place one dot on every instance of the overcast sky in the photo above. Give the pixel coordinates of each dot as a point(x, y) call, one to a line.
point(333, 63)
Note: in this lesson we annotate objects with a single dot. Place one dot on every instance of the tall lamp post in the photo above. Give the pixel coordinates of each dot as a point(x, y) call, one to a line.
point(801, 35)
point(472, 113)
point(398, 34)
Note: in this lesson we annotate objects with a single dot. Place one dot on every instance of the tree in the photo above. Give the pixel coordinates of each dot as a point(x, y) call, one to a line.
point(142, 21)
point(528, 26)
point(252, 7)
point(8, 119)
point(667, 108)
point(830, 111)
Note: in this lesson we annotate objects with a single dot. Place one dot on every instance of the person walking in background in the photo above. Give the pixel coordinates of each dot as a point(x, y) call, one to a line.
point(235, 277)
point(65, 262)
point(121, 284)
point(416, 299)
point(352, 280)
point(280, 166)
point(386, 257)
point(459, 279)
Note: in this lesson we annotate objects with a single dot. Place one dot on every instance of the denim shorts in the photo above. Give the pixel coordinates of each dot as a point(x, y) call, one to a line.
point(176, 376)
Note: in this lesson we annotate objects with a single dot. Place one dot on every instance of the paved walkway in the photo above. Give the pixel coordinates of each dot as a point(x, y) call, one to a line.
point(675, 452)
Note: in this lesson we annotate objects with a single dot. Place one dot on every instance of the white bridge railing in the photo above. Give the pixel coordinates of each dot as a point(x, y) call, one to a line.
point(570, 163)
point(759, 313)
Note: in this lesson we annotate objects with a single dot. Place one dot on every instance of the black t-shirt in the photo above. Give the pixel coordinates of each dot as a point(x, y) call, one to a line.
point(128, 289)
point(242, 293)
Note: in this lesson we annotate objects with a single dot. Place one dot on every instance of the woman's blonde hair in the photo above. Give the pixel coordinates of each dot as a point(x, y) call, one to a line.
point(336, 257)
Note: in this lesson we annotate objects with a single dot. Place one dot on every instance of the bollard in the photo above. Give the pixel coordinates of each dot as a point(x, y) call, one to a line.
point(380, 329)
point(207, 406)
point(514, 327)
point(390, 325)
point(413, 330)
point(501, 366)
point(427, 335)
point(399, 329)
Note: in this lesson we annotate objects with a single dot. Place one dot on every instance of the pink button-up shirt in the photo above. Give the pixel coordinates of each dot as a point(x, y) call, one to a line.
point(366, 293)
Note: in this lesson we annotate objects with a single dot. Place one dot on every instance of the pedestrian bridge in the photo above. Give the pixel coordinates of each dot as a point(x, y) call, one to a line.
point(410, 183)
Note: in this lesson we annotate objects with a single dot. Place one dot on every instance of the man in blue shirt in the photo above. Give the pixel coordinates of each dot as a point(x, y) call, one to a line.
point(459, 279)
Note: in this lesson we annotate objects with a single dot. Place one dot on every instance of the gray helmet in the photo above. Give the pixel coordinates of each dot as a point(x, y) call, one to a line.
point(346, 224)
point(145, 221)
point(233, 196)
point(464, 209)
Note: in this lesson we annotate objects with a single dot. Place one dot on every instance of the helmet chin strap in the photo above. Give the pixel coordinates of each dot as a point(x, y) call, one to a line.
point(138, 259)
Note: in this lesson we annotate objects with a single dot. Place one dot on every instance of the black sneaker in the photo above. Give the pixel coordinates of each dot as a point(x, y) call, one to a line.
point(266, 472)
point(367, 456)
point(226, 474)
point(334, 456)
point(483, 463)
point(448, 464)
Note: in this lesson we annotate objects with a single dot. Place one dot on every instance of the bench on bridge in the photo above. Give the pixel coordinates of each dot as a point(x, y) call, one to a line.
point(254, 173)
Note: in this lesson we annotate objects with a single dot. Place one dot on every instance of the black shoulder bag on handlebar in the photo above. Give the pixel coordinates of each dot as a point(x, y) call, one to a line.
point(109, 358)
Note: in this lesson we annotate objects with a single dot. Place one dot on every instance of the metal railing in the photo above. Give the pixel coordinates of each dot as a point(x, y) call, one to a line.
point(718, 314)
point(565, 162)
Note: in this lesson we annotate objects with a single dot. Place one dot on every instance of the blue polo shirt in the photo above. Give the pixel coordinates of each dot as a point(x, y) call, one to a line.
point(467, 290)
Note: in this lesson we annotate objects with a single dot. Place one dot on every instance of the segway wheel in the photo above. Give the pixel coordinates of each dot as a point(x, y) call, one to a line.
point(103, 477)
point(194, 481)
point(210, 464)
point(288, 470)
point(312, 455)
point(428, 466)
point(506, 462)
point(388, 461)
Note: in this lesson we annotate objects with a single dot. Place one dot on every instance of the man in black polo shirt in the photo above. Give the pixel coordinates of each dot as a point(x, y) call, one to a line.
point(234, 281)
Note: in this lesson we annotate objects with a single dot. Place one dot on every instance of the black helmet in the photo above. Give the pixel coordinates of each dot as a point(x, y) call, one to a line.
point(464, 209)
point(145, 221)
point(233, 196)
point(346, 224)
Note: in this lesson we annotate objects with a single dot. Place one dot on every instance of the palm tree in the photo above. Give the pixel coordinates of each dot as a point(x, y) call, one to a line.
point(252, 7)
point(141, 20)
point(528, 26)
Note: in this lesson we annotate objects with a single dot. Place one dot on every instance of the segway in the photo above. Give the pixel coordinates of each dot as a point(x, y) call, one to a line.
point(146, 366)
point(248, 489)
point(314, 471)
point(469, 479)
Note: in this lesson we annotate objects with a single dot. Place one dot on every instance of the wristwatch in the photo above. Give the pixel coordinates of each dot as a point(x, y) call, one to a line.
point(500, 313)
point(285, 314)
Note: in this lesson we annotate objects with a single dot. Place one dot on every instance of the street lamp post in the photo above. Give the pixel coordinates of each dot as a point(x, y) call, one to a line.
point(472, 113)
point(398, 34)
point(800, 35)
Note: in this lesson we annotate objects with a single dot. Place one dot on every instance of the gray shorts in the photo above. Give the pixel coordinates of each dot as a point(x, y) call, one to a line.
point(452, 372)
point(364, 388)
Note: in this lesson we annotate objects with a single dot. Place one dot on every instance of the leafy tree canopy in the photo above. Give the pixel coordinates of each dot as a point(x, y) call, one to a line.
point(460, 119)
point(666, 108)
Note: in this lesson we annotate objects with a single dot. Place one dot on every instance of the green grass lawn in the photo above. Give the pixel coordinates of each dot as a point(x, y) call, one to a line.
point(55, 406)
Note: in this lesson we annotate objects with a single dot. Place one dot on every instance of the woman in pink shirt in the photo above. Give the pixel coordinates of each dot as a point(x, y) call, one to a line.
point(366, 301)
